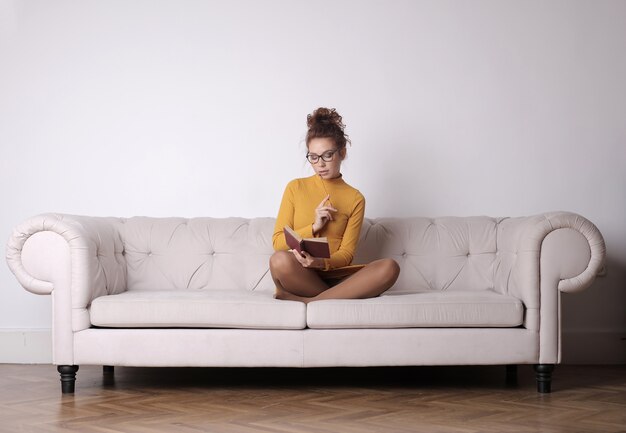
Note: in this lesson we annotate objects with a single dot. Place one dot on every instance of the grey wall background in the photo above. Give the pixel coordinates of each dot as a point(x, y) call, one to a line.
point(198, 108)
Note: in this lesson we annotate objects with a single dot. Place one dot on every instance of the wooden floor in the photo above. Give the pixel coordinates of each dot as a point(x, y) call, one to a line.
point(338, 400)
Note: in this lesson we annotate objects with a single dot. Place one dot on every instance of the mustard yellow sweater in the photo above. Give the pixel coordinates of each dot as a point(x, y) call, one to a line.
point(297, 210)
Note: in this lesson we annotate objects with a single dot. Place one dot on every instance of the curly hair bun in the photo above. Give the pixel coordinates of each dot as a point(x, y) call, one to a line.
point(325, 122)
point(326, 117)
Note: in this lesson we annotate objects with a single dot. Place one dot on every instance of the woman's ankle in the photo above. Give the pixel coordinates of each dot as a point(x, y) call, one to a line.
point(288, 296)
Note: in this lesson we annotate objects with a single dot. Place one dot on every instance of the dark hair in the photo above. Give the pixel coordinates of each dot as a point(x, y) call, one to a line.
point(326, 123)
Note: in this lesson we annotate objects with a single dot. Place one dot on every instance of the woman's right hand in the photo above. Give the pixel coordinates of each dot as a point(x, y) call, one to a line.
point(322, 215)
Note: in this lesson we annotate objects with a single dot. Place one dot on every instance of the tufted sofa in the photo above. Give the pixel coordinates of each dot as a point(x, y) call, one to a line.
point(145, 291)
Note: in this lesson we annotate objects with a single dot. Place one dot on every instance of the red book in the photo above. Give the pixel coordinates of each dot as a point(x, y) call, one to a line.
point(317, 247)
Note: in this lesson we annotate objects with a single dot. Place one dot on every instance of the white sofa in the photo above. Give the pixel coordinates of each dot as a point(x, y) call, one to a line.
point(145, 291)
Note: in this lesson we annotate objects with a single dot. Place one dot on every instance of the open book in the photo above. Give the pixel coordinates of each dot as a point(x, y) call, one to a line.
point(317, 247)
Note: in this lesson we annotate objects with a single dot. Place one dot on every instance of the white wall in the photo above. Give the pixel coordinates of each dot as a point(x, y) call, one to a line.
point(193, 108)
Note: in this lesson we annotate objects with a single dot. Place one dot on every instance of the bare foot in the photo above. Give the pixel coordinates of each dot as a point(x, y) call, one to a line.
point(285, 295)
point(278, 293)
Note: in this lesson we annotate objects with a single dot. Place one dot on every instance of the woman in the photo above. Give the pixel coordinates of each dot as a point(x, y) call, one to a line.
point(325, 205)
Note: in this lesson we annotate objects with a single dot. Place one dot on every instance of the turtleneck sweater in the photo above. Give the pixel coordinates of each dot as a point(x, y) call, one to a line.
point(297, 210)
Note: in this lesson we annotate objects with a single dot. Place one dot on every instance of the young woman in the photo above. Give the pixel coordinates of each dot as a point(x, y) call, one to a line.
point(325, 205)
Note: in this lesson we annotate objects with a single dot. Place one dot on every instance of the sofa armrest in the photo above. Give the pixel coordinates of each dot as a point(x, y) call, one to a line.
point(72, 257)
point(577, 255)
point(540, 256)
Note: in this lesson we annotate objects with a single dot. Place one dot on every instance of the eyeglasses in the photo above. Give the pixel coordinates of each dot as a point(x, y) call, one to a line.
point(326, 156)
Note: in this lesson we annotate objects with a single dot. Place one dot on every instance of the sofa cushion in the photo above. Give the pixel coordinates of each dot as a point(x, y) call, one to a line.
point(425, 309)
point(197, 309)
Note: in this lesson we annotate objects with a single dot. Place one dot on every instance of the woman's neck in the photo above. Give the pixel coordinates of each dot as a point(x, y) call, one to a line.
point(332, 180)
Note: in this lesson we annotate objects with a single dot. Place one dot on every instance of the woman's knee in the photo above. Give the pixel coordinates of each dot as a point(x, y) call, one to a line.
point(281, 261)
point(390, 269)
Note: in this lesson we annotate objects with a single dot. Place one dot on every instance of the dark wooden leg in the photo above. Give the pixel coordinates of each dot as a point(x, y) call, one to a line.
point(108, 376)
point(511, 374)
point(68, 377)
point(543, 373)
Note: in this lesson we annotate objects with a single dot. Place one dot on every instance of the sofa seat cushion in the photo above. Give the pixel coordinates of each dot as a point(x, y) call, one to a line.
point(425, 309)
point(197, 309)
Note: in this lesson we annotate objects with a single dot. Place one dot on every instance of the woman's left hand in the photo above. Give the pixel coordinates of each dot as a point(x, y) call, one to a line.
point(308, 261)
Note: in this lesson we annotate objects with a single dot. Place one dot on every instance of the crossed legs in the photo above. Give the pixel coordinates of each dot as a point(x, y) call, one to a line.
point(297, 283)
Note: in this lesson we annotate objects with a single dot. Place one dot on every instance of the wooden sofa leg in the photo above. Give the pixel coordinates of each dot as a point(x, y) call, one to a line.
point(511, 374)
point(543, 373)
point(68, 377)
point(108, 369)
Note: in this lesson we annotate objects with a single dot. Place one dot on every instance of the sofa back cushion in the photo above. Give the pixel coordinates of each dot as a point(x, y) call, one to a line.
point(196, 253)
point(448, 253)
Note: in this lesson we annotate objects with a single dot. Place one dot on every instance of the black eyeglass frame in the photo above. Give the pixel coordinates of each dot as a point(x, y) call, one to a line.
point(325, 158)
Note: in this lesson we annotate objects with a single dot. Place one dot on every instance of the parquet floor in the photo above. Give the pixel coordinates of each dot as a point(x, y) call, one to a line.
point(460, 399)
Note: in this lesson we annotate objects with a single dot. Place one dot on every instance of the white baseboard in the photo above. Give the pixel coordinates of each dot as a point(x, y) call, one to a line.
point(34, 346)
point(25, 346)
